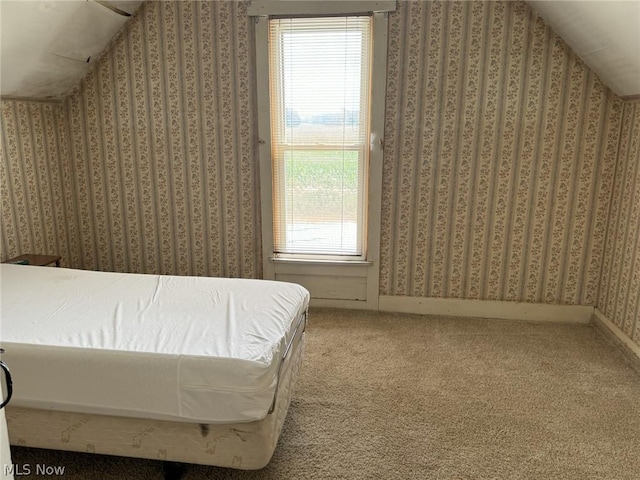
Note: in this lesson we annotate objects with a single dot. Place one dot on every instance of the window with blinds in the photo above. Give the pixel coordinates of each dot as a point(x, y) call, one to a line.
point(319, 91)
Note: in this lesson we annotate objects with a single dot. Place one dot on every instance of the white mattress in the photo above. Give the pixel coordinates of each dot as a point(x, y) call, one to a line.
point(194, 349)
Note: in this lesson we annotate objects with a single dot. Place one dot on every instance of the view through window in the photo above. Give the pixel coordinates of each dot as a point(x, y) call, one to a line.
point(319, 91)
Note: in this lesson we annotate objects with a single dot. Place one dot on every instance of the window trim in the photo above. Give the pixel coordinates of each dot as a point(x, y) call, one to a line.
point(261, 9)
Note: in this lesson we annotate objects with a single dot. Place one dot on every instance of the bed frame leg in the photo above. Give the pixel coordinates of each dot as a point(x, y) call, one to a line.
point(173, 470)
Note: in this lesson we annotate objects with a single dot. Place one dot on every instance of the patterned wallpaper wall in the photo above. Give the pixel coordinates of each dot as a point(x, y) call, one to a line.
point(162, 146)
point(619, 297)
point(33, 177)
point(499, 158)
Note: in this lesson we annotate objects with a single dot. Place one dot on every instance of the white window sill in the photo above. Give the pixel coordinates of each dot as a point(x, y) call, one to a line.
point(312, 261)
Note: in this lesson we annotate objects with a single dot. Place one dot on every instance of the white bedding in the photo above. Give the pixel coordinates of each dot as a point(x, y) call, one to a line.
point(194, 349)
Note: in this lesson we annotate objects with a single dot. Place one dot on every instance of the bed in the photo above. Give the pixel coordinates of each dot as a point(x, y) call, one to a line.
point(182, 369)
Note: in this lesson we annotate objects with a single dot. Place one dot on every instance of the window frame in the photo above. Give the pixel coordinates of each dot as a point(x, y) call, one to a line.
point(324, 269)
point(361, 148)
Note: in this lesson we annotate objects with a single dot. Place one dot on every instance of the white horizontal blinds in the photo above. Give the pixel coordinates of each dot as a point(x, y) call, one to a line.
point(320, 86)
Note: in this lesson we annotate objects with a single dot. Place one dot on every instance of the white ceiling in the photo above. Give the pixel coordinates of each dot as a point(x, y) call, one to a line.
point(45, 44)
point(605, 34)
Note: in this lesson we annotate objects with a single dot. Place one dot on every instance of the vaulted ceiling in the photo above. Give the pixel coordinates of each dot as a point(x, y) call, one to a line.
point(46, 46)
point(605, 34)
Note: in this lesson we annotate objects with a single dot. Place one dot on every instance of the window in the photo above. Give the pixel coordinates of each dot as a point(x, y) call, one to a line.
point(320, 82)
point(321, 73)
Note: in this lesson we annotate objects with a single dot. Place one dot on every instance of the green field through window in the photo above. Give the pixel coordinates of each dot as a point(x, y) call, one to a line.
point(321, 185)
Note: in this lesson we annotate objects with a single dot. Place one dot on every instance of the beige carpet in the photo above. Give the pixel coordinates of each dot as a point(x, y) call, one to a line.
point(393, 396)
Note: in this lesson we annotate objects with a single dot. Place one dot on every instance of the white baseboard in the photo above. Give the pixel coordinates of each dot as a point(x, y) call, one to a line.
point(613, 329)
point(487, 309)
point(338, 303)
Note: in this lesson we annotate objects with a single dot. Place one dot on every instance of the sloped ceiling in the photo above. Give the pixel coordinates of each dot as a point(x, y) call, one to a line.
point(47, 46)
point(605, 34)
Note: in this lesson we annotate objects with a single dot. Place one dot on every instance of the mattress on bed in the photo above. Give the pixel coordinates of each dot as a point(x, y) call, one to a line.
point(192, 349)
point(245, 446)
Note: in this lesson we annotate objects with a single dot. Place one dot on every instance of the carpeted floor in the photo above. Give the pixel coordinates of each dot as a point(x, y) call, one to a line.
point(394, 396)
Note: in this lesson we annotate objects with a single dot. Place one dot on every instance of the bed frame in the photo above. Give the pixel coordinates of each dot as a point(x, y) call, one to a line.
point(245, 446)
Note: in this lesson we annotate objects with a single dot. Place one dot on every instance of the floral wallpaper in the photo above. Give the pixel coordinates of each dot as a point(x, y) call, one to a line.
point(619, 297)
point(499, 158)
point(162, 146)
point(33, 181)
